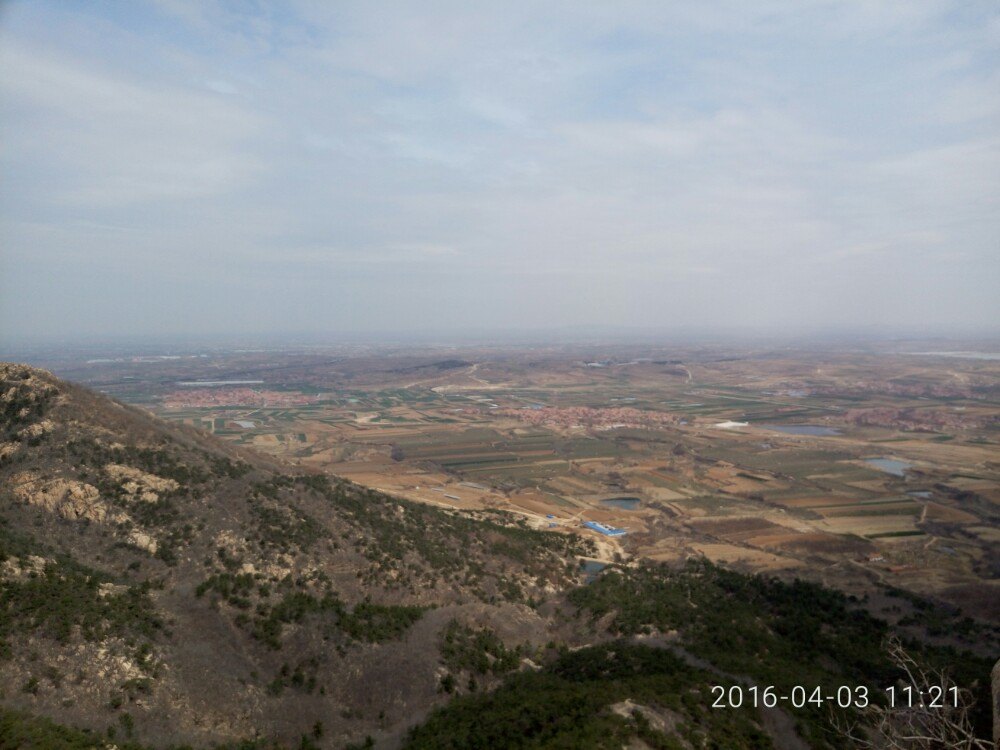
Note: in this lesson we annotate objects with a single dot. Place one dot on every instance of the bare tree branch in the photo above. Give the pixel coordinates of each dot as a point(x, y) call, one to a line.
point(918, 726)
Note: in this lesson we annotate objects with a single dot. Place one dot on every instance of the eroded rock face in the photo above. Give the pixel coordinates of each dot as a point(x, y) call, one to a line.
point(108, 662)
point(231, 543)
point(69, 498)
point(237, 548)
point(23, 391)
point(662, 720)
point(7, 450)
point(111, 589)
point(13, 569)
point(36, 430)
point(140, 485)
point(142, 540)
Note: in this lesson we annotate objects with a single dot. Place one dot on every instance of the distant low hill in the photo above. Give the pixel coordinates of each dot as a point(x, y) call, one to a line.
point(163, 588)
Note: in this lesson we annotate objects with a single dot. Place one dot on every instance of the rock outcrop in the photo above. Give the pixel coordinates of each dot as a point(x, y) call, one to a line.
point(71, 499)
point(140, 485)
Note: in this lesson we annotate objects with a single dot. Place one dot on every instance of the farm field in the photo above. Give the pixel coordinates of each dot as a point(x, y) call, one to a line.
point(866, 467)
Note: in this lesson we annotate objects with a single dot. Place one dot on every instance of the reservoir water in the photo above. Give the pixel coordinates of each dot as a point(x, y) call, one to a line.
point(803, 429)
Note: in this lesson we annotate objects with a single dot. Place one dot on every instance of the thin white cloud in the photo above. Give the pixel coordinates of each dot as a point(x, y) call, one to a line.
point(117, 141)
point(561, 162)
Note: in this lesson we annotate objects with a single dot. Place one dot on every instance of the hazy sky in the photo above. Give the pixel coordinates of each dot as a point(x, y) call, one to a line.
point(197, 167)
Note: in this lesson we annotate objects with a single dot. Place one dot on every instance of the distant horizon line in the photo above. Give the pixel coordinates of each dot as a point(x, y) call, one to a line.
point(552, 335)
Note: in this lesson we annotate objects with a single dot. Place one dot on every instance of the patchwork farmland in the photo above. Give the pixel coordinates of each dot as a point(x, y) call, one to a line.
point(868, 465)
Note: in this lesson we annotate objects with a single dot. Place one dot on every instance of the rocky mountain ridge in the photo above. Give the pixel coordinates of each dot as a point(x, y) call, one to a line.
point(244, 599)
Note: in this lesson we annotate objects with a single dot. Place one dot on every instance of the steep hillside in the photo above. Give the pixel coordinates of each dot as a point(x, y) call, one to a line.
point(159, 587)
point(159, 580)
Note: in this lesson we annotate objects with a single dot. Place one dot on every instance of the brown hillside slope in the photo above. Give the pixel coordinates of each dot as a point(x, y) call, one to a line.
point(179, 589)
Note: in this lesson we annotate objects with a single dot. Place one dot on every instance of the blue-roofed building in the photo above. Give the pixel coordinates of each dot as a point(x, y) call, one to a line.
point(602, 529)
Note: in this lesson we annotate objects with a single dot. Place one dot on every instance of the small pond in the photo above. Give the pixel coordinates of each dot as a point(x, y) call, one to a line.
point(890, 465)
point(625, 503)
point(591, 568)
